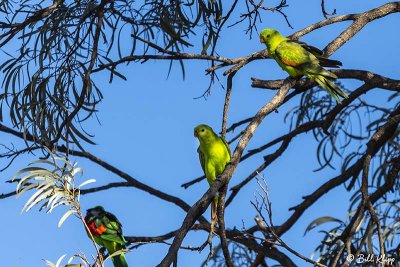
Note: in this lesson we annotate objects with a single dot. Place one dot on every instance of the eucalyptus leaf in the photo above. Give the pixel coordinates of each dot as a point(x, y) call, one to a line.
point(64, 217)
point(321, 220)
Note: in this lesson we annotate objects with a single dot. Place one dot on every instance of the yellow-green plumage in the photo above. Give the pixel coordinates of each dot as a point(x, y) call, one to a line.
point(298, 59)
point(214, 154)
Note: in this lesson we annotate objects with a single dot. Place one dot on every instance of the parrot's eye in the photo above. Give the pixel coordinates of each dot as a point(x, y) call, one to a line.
point(202, 130)
point(268, 35)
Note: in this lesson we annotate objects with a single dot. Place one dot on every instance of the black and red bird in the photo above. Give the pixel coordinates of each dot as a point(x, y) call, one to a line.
point(107, 232)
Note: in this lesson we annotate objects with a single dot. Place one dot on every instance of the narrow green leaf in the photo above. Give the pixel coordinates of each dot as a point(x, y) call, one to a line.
point(49, 263)
point(87, 182)
point(64, 217)
point(320, 221)
point(60, 259)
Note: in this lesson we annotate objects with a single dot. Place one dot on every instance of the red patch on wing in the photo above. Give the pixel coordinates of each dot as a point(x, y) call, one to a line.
point(290, 63)
point(96, 230)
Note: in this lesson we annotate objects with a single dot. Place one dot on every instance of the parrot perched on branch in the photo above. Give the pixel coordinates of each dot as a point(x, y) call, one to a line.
point(298, 59)
point(214, 154)
point(107, 232)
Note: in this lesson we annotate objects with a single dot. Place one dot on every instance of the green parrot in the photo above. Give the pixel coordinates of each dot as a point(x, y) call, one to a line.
point(214, 154)
point(107, 232)
point(298, 59)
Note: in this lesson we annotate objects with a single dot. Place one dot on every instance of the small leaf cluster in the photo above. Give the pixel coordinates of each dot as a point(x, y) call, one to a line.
point(53, 183)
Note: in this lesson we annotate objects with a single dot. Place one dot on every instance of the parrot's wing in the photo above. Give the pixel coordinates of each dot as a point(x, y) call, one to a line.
point(227, 145)
point(202, 159)
point(323, 60)
point(114, 237)
point(113, 229)
point(292, 54)
point(112, 217)
point(312, 49)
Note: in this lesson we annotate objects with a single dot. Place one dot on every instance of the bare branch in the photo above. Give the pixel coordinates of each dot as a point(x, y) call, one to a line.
point(226, 104)
point(221, 223)
point(380, 137)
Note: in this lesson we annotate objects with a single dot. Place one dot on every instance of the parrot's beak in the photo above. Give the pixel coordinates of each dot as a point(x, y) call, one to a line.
point(196, 134)
point(262, 40)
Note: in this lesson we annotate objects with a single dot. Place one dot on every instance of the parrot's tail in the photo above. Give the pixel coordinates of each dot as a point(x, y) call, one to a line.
point(214, 213)
point(326, 62)
point(119, 260)
point(324, 79)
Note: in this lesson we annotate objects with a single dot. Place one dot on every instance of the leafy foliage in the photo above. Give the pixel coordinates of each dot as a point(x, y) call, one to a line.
point(48, 84)
point(364, 235)
point(348, 127)
point(53, 186)
point(353, 125)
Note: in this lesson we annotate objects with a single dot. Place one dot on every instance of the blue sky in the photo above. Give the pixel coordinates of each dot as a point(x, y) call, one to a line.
point(146, 130)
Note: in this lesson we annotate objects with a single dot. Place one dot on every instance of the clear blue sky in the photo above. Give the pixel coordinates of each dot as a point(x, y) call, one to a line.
point(147, 131)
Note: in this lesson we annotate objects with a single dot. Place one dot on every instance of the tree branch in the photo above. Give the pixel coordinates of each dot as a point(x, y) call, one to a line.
point(381, 136)
point(201, 205)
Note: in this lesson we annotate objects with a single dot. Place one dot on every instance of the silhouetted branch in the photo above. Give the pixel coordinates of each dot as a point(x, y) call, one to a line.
point(221, 224)
point(36, 16)
point(380, 137)
point(326, 14)
point(226, 104)
point(368, 77)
